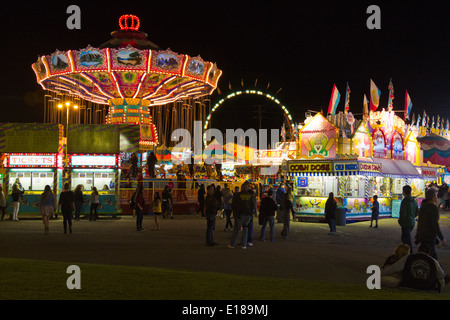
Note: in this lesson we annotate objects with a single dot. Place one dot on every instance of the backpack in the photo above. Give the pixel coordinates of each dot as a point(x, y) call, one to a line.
point(420, 273)
point(132, 201)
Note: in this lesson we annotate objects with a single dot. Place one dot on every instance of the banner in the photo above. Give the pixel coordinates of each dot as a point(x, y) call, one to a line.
point(375, 94)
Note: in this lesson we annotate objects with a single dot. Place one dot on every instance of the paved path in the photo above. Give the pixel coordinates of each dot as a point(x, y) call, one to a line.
point(309, 254)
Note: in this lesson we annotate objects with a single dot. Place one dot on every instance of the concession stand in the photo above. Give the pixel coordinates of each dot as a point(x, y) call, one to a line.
point(94, 161)
point(32, 156)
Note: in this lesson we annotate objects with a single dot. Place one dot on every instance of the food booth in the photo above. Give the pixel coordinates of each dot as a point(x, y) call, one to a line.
point(32, 155)
point(94, 161)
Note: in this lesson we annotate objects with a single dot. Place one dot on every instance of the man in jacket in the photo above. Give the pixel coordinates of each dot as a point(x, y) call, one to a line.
point(408, 213)
point(245, 206)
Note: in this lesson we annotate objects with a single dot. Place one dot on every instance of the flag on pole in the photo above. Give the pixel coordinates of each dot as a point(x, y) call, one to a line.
point(432, 123)
point(365, 107)
point(448, 126)
point(391, 95)
point(408, 105)
point(438, 122)
point(413, 120)
point(418, 120)
point(424, 120)
point(334, 101)
point(375, 94)
point(347, 99)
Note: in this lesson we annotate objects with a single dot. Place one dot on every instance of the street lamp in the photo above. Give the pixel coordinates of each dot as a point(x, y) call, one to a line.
point(67, 105)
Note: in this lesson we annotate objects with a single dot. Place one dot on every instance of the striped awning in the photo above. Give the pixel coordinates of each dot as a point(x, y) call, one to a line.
point(311, 174)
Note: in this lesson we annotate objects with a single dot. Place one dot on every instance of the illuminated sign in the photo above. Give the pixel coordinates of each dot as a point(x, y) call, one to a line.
point(93, 161)
point(347, 166)
point(369, 167)
point(316, 167)
point(428, 172)
point(31, 160)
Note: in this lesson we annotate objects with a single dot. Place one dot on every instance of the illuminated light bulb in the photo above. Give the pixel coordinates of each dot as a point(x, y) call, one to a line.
point(60, 106)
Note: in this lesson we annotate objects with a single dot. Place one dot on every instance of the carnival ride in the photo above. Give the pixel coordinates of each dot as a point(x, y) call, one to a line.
point(290, 124)
point(127, 80)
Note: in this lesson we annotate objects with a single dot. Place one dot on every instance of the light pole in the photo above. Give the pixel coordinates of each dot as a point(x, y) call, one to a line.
point(67, 105)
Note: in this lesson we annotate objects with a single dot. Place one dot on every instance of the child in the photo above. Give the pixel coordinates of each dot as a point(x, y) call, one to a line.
point(156, 209)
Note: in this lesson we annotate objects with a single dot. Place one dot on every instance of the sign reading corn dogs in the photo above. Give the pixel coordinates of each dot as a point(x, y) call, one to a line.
point(310, 167)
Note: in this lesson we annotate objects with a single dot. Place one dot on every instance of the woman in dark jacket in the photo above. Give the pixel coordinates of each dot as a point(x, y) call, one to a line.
point(428, 227)
point(330, 212)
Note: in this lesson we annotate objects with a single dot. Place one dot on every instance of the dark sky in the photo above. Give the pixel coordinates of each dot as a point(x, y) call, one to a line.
point(303, 47)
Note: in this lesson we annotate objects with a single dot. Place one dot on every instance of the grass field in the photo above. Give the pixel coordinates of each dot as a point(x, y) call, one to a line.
point(34, 280)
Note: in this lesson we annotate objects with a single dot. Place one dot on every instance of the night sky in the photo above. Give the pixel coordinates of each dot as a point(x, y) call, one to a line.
point(301, 47)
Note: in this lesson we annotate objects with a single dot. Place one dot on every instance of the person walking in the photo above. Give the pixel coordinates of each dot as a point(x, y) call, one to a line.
point(330, 213)
point(408, 213)
point(47, 207)
point(267, 215)
point(428, 229)
point(66, 203)
point(156, 204)
point(287, 208)
point(79, 200)
point(139, 206)
point(212, 205)
point(245, 206)
point(227, 208)
point(375, 211)
point(95, 201)
point(2, 203)
point(16, 194)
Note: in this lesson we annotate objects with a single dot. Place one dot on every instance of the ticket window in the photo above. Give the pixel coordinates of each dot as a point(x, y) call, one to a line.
point(31, 180)
point(102, 180)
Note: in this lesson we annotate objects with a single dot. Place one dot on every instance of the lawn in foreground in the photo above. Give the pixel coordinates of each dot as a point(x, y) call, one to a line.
point(33, 280)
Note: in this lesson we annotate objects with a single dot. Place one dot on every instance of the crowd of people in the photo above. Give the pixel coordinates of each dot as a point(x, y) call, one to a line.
point(241, 205)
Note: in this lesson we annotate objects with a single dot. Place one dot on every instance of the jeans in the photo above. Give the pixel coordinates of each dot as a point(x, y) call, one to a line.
point(78, 205)
point(332, 225)
point(139, 218)
point(228, 215)
point(210, 224)
point(271, 221)
point(241, 221)
point(406, 237)
point(286, 224)
point(94, 207)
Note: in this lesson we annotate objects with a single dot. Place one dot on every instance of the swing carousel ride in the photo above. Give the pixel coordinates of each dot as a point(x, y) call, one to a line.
point(127, 80)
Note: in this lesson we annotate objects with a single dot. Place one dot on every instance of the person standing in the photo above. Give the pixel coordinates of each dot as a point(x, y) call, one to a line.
point(201, 199)
point(66, 203)
point(2, 203)
point(156, 204)
point(95, 201)
point(428, 226)
point(79, 200)
point(330, 213)
point(408, 213)
point(286, 208)
point(267, 215)
point(139, 206)
point(227, 207)
point(245, 206)
point(151, 163)
point(16, 194)
point(375, 211)
point(212, 205)
point(47, 206)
